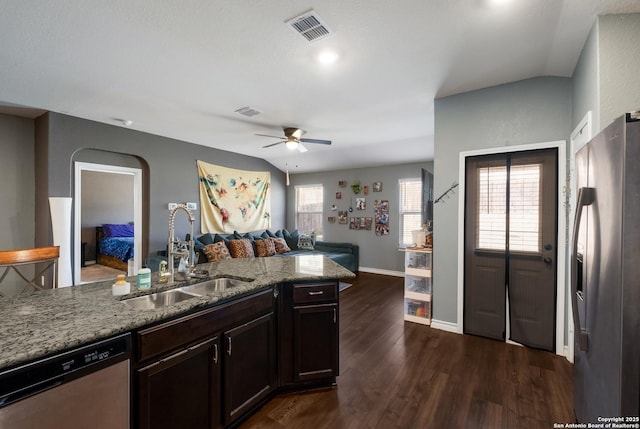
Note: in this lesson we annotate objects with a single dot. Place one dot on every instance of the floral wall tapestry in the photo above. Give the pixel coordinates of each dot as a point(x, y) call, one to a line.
point(233, 200)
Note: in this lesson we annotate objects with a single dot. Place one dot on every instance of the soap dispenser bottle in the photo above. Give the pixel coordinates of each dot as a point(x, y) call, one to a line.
point(144, 277)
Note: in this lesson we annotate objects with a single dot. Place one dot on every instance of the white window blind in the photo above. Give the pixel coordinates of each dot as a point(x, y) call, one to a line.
point(410, 209)
point(492, 208)
point(309, 200)
point(524, 208)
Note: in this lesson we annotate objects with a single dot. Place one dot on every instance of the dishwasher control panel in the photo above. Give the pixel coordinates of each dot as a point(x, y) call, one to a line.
point(34, 377)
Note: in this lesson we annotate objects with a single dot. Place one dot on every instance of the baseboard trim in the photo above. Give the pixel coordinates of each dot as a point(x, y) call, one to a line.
point(567, 355)
point(380, 271)
point(445, 326)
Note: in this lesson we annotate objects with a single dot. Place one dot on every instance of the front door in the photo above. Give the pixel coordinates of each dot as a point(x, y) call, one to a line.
point(510, 247)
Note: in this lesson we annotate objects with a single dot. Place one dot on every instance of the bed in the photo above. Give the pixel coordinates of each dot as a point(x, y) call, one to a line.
point(114, 245)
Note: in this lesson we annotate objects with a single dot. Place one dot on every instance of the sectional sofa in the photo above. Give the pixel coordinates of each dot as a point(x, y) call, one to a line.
point(345, 254)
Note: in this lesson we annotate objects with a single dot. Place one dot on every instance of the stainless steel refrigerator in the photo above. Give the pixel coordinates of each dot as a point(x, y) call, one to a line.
point(605, 264)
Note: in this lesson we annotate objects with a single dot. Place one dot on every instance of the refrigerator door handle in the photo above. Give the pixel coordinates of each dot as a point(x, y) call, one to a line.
point(586, 197)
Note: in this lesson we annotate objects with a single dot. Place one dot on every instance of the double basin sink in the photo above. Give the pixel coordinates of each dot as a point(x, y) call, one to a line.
point(173, 296)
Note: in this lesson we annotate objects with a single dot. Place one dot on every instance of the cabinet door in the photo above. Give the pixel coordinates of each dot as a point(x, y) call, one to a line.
point(181, 390)
point(315, 342)
point(249, 365)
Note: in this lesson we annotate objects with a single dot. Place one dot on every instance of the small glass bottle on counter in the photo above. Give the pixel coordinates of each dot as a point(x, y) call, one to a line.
point(164, 274)
point(121, 286)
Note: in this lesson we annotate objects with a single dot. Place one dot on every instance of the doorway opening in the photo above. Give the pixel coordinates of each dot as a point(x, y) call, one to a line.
point(106, 194)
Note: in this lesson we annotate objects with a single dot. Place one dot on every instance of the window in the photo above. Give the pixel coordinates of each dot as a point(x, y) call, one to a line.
point(524, 207)
point(410, 209)
point(492, 208)
point(309, 209)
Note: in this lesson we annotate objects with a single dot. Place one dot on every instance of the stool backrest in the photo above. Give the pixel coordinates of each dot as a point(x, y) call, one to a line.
point(42, 258)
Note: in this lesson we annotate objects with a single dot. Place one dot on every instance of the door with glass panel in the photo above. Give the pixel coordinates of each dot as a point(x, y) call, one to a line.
point(510, 247)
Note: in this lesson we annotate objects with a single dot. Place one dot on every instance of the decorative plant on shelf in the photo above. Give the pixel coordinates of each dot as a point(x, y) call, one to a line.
point(355, 187)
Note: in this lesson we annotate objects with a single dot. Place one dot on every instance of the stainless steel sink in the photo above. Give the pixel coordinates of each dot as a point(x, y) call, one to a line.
point(159, 299)
point(213, 285)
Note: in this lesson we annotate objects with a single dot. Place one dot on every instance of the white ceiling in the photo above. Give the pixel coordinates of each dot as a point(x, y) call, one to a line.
point(181, 68)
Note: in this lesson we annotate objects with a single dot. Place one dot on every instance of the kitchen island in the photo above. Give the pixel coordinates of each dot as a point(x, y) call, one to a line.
point(54, 321)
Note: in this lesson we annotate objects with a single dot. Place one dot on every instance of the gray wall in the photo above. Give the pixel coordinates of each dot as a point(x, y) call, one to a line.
point(171, 175)
point(619, 52)
point(585, 93)
point(17, 183)
point(379, 252)
point(529, 111)
point(605, 79)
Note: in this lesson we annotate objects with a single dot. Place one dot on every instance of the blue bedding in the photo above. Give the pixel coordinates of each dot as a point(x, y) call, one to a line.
point(119, 247)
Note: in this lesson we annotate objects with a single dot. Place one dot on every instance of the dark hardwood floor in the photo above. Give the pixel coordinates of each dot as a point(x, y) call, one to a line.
point(396, 374)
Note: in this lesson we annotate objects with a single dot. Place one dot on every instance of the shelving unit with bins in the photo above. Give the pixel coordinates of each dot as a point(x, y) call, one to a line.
point(417, 285)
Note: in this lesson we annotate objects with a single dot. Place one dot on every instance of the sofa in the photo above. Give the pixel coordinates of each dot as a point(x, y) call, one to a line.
point(345, 254)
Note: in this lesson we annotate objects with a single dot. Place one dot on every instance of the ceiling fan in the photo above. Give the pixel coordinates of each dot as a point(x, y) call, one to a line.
point(293, 139)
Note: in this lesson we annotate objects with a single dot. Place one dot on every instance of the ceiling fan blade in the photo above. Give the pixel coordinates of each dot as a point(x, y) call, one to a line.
point(301, 148)
point(267, 135)
point(273, 144)
point(327, 142)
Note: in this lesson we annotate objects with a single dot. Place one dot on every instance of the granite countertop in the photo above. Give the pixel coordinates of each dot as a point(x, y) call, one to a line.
point(38, 324)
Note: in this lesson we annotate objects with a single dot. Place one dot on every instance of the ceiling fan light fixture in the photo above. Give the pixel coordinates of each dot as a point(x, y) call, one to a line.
point(291, 144)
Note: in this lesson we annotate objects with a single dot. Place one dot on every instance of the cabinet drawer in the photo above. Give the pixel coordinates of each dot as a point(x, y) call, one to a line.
point(315, 292)
point(166, 337)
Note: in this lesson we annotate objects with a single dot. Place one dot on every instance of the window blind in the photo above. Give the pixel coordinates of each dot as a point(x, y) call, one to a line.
point(524, 207)
point(410, 209)
point(309, 200)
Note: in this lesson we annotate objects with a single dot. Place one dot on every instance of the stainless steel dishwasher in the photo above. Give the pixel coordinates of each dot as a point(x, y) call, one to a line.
point(87, 387)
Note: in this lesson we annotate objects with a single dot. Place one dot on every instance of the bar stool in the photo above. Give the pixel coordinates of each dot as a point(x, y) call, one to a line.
point(17, 260)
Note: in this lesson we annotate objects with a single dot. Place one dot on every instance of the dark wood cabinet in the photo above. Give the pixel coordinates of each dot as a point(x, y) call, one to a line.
point(212, 367)
point(181, 390)
point(184, 365)
point(249, 368)
point(309, 349)
point(315, 342)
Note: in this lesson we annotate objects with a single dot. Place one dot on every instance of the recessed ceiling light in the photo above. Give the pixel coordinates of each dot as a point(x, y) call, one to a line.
point(498, 2)
point(328, 57)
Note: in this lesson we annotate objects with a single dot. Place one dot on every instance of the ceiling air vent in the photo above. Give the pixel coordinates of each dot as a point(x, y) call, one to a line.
point(310, 26)
point(248, 111)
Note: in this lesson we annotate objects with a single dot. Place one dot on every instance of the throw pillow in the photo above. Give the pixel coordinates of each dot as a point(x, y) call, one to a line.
point(117, 230)
point(241, 248)
point(207, 238)
point(291, 238)
point(305, 242)
point(246, 235)
point(280, 245)
point(264, 247)
point(216, 252)
point(219, 237)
